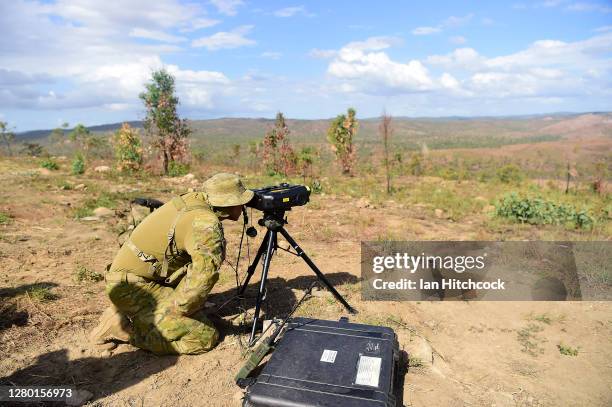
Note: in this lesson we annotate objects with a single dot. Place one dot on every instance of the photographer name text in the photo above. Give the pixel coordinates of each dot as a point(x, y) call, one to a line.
point(412, 264)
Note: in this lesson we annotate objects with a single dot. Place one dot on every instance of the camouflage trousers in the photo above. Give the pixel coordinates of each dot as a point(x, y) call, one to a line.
point(155, 325)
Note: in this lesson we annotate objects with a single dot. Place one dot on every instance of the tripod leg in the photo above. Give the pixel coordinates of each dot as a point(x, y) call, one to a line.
point(316, 270)
point(270, 247)
point(253, 266)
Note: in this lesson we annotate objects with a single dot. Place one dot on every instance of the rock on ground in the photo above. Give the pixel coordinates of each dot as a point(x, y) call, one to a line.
point(102, 168)
point(103, 212)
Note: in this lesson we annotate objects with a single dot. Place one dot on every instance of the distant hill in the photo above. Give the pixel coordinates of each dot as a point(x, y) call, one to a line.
point(447, 132)
point(39, 134)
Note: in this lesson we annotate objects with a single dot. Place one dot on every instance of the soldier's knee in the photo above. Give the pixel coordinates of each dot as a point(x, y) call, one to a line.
point(199, 340)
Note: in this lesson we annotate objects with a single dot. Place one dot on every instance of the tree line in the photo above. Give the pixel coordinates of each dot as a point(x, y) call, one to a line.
point(169, 134)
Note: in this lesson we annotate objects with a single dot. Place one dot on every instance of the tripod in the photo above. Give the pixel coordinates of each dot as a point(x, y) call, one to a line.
point(274, 222)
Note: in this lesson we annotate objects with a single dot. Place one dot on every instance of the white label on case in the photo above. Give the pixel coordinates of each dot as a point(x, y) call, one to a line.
point(329, 356)
point(368, 371)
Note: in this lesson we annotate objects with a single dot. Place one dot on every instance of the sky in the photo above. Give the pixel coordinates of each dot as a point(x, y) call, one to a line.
point(86, 61)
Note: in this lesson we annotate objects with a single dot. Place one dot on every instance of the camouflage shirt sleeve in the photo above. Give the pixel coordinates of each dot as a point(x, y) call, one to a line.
point(206, 246)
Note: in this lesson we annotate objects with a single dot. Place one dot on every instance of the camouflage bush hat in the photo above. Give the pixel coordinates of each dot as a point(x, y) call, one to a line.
point(226, 190)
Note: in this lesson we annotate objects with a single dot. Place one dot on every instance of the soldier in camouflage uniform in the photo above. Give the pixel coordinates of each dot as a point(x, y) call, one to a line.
point(163, 273)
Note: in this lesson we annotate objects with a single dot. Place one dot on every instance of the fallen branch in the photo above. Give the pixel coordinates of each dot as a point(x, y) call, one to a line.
point(38, 309)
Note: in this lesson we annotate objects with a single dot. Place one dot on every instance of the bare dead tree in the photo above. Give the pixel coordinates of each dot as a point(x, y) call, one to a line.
point(385, 129)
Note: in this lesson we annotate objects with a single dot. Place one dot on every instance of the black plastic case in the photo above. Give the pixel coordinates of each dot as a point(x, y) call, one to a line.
point(331, 363)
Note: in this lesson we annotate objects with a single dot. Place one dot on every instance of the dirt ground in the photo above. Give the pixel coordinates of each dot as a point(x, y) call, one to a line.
point(463, 353)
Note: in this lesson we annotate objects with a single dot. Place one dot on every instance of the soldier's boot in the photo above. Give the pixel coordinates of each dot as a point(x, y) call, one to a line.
point(113, 327)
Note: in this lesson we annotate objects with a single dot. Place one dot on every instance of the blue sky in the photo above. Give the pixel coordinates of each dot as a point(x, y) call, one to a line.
point(87, 60)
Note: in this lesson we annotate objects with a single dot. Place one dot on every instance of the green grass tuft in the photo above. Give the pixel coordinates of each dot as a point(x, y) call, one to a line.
point(82, 273)
point(42, 294)
point(5, 218)
point(567, 350)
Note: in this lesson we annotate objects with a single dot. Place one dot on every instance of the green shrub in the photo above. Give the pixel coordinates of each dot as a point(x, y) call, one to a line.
point(42, 294)
point(128, 148)
point(510, 174)
point(78, 164)
point(177, 169)
point(82, 273)
point(567, 350)
point(5, 218)
point(539, 211)
point(50, 164)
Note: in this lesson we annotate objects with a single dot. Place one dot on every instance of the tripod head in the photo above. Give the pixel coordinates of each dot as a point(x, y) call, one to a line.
point(273, 220)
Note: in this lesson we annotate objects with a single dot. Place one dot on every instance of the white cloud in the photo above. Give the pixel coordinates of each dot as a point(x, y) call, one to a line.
point(458, 40)
point(454, 21)
point(227, 7)
point(426, 30)
point(226, 40)
point(461, 58)
point(569, 6)
point(271, 55)
point(545, 70)
point(83, 54)
point(108, 15)
point(375, 71)
point(200, 23)
point(603, 29)
point(374, 43)
point(322, 53)
point(450, 22)
point(292, 11)
point(155, 35)
point(586, 7)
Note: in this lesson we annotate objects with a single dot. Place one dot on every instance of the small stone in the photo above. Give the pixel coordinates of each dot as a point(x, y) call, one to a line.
point(439, 213)
point(44, 171)
point(419, 350)
point(80, 186)
point(103, 212)
point(102, 168)
point(188, 177)
point(481, 198)
point(90, 218)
